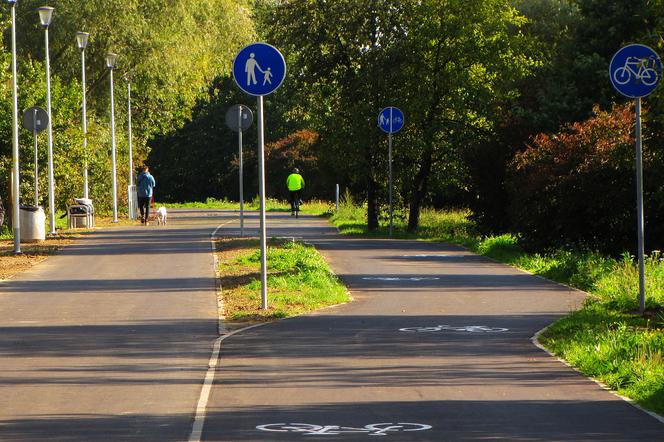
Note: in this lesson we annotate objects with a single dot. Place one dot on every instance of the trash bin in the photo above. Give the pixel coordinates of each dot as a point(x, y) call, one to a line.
point(81, 214)
point(33, 223)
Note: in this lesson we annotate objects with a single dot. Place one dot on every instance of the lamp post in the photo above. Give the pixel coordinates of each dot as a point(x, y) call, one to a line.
point(131, 161)
point(82, 43)
point(16, 222)
point(131, 189)
point(110, 64)
point(45, 16)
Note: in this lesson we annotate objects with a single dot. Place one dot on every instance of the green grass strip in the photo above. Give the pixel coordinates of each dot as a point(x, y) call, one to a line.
point(299, 280)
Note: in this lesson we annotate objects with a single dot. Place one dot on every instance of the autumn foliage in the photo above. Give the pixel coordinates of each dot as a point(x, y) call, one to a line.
point(578, 186)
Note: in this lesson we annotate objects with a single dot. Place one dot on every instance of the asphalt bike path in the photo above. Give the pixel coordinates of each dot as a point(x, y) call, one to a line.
point(436, 346)
point(110, 339)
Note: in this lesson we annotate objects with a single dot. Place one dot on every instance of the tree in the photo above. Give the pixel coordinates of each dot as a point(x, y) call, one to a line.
point(463, 61)
point(342, 73)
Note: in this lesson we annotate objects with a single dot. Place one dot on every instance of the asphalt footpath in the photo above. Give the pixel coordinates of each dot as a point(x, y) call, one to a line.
point(110, 339)
point(436, 346)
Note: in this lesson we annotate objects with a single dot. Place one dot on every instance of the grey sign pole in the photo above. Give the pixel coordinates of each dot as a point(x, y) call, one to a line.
point(239, 142)
point(639, 208)
point(337, 197)
point(35, 120)
point(261, 189)
point(389, 155)
point(34, 134)
point(16, 221)
point(637, 85)
point(51, 181)
point(244, 66)
point(239, 118)
point(131, 153)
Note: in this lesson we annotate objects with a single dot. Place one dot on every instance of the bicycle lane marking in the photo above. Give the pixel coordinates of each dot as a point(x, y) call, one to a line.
point(378, 429)
point(201, 406)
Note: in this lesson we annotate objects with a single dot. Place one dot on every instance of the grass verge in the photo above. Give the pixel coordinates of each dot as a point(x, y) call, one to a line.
point(605, 339)
point(299, 280)
point(271, 205)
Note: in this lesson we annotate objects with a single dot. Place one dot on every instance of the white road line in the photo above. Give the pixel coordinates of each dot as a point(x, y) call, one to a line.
point(201, 406)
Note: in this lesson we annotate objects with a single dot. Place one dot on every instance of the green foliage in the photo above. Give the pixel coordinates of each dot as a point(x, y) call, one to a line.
point(170, 50)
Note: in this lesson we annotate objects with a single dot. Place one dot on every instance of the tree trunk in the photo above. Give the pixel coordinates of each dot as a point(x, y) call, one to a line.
point(419, 189)
point(372, 207)
point(372, 188)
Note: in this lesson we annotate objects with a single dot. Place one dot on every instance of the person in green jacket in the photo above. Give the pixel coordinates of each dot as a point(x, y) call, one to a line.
point(295, 184)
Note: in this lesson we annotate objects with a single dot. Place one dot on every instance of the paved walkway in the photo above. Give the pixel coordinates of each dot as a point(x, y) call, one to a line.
point(110, 339)
point(472, 373)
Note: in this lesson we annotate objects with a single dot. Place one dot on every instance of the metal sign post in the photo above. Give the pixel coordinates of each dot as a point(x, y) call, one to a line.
point(35, 120)
point(239, 119)
point(635, 71)
point(269, 62)
point(241, 178)
point(15, 189)
point(34, 136)
point(390, 120)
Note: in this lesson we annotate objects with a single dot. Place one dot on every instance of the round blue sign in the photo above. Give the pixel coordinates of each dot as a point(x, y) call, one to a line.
point(635, 70)
point(259, 69)
point(391, 120)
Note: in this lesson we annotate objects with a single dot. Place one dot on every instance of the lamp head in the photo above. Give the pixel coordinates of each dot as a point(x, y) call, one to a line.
point(45, 15)
point(12, 2)
point(82, 40)
point(111, 58)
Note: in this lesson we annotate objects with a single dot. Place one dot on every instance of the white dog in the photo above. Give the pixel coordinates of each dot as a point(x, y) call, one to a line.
point(162, 215)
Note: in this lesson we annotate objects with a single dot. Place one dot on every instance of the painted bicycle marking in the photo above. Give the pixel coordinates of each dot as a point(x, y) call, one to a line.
point(465, 328)
point(379, 429)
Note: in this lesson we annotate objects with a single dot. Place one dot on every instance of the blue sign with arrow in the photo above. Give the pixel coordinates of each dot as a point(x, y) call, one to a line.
point(635, 70)
point(259, 69)
point(391, 120)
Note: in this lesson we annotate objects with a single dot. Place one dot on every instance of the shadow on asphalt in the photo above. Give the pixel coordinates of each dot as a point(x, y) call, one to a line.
point(143, 340)
point(102, 286)
point(452, 420)
point(95, 427)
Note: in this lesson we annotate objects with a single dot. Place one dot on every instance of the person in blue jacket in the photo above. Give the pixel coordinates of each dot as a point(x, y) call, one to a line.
point(144, 185)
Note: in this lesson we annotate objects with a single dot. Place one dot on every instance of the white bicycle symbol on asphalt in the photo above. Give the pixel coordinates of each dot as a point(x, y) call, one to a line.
point(465, 328)
point(641, 68)
point(380, 429)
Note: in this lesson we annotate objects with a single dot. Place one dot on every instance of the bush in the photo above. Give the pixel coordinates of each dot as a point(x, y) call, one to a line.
point(577, 186)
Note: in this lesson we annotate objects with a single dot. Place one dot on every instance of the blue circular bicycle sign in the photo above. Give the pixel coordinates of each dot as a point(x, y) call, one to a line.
point(391, 120)
point(259, 69)
point(635, 70)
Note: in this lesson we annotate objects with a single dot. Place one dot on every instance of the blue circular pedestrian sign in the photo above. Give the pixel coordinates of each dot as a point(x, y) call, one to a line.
point(390, 120)
point(259, 69)
point(635, 70)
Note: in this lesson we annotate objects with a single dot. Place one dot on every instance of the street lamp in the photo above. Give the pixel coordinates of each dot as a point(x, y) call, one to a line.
point(16, 222)
point(82, 43)
point(110, 64)
point(131, 197)
point(45, 16)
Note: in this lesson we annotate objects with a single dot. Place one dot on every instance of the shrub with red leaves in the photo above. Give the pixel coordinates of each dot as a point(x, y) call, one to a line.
point(577, 187)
